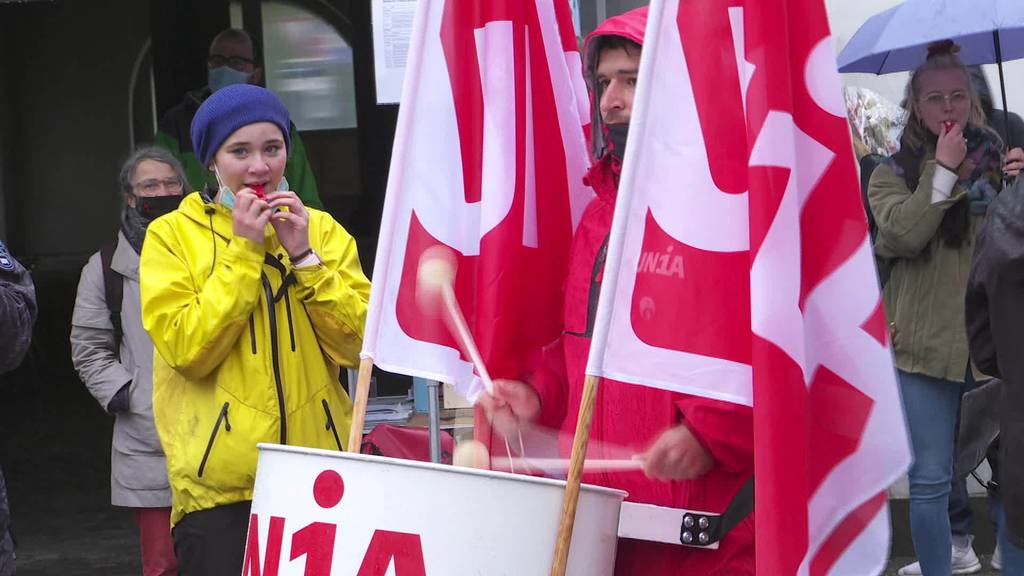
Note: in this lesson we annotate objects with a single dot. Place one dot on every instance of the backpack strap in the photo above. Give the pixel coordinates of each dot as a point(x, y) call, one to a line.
point(113, 288)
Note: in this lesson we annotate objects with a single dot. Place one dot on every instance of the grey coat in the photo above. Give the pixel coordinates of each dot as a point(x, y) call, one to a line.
point(138, 475)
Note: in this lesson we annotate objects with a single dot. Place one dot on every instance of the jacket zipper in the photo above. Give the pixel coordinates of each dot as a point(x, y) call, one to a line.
point(330, 424)
point(287, 279)
point(222, 417)
point(272, 319)
point(252, 334)
point(288, 309)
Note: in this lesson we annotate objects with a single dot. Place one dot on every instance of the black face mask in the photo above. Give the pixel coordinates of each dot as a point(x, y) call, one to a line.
point(616, 135)
point(153, 207)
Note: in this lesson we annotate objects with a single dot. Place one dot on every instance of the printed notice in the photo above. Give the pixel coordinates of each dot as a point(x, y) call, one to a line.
point(392, 32)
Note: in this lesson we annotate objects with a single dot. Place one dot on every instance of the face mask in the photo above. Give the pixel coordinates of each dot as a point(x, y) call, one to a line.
point(617, 139)
point(224, 194)
point(153, 207)
point(227, 198)
point(225, 76)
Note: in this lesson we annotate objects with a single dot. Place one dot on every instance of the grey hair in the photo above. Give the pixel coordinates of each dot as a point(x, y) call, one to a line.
point(234, 35)
point(149, 153)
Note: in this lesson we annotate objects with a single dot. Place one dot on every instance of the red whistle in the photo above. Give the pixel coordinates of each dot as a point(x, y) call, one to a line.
point(258, 188)
point(949, 125)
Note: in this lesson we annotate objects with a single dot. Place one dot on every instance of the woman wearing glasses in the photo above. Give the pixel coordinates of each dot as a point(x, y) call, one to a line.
point(114, 355)
point(928, 200)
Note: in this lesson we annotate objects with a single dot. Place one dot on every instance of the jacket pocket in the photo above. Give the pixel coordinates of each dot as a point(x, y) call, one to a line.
point(330, 423)
point(222, 417)
point(252, 334)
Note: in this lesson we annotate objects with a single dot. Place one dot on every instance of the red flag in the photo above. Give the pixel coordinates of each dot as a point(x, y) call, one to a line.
point(740, 268)
point(488, 160)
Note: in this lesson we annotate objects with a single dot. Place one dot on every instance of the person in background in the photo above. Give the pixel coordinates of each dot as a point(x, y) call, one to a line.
point(998, 119)
point(231, 61)
point(253, 302)
point(928, 200)
point(995, 327)
point(114, 356)
point(17, 316)
point(964, 559)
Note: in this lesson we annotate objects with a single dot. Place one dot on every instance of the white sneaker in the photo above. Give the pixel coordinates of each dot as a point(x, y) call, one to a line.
point(997, 559)
point(965, 561)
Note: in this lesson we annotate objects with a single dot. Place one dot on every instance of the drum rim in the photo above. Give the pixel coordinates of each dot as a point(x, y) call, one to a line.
point(447, 468)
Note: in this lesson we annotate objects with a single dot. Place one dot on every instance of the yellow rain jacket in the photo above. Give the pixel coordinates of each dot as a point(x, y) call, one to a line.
point(249, 348)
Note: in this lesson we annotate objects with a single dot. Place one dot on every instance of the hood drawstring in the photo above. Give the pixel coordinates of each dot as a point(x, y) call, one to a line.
point(209, 211)
point(213, 238)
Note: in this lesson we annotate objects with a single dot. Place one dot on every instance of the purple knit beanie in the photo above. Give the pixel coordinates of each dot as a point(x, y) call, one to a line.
point(231, 108)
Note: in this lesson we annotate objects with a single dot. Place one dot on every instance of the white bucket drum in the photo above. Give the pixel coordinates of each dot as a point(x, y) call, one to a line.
point(316, 512)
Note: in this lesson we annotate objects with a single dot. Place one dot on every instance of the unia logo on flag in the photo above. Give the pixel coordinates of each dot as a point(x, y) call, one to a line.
point(488, 161)
point(740, 268)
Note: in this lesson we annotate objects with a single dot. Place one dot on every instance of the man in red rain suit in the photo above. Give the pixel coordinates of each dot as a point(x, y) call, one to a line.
point(698, 452)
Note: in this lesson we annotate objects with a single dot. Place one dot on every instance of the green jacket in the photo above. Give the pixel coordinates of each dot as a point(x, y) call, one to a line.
point(924, 297)
point(174, 134)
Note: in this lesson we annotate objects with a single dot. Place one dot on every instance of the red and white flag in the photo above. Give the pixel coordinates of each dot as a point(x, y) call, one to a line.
point(740, 269)
point(488, 160)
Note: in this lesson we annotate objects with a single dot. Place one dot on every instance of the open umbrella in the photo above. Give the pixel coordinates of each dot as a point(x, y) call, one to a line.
point(896, 40)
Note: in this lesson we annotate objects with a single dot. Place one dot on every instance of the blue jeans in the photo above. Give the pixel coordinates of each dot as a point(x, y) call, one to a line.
point(931, 406)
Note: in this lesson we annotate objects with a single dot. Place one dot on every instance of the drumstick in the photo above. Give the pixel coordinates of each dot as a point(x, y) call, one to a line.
point(563, 464)
point(436, 273)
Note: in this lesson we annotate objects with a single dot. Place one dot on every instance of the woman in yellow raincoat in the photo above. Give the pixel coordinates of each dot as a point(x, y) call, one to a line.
point(253, 302)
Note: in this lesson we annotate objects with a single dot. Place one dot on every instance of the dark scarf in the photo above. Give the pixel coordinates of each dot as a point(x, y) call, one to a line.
point(134, 227)
point(983, 182)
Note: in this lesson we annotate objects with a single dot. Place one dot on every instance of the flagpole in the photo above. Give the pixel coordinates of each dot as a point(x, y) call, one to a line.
point(355, 434)
point(572, 486)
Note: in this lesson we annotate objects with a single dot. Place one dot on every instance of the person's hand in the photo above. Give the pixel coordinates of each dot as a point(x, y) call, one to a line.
point(513, 404)
point(291, 225)
point(951, 147)
point(676, 455)
point(1013, 162)
point(249, 216)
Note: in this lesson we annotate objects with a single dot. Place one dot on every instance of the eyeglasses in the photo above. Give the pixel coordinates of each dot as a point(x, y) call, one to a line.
point(955, 99)
point(237, 62)
point(153, 185)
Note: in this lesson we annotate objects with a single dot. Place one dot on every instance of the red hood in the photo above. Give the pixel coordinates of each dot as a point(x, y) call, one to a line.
point(603, 178)
point(631, 26)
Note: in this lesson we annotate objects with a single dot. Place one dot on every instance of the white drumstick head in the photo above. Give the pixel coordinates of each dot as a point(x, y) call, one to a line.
point(471, 454)
point(436, 271)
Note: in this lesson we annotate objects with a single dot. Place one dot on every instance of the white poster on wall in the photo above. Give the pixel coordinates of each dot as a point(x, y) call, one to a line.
point(392, 31)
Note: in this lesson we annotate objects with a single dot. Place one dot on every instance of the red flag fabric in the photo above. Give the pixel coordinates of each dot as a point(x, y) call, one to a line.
point(488, 161)
point(740, 268)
